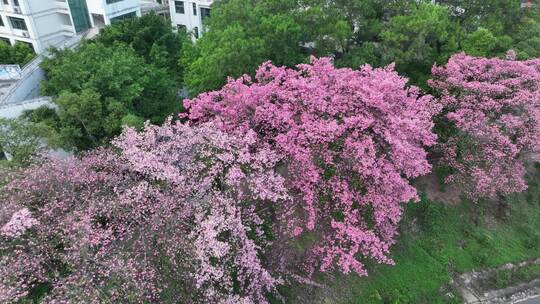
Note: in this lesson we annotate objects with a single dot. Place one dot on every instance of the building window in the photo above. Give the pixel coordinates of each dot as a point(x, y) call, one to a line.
point(16, 2)
point(1, 21)
point(194, 9)
point(179, 7)
point(205, 13)
point(112, 1)
point(30, 45)
point(18, 23)
point(6, 2)
point(181, 27)
point(123, 17)
point(196, 32)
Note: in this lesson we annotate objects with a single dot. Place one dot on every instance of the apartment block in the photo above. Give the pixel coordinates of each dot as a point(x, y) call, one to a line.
point(190, 15)
point(41, 23)
point(45, 23)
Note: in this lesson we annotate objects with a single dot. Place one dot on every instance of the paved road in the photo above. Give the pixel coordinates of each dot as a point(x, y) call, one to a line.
point(531, 301)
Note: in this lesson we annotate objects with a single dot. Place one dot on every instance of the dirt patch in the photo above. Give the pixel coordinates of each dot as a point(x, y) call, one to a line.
point(450, 195)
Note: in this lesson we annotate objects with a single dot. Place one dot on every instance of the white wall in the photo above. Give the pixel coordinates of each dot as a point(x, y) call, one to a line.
point(109, 11)
point(188, 19)
point(48, 22)
point(96, 6)
point(16, 110)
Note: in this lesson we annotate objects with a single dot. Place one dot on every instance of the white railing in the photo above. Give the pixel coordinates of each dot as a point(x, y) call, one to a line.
point(32, 68)
point(14, 110)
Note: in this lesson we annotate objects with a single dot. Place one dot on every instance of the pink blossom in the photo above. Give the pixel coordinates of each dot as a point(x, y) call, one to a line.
point(349, 140)
point(494, 105)
point(20, 221)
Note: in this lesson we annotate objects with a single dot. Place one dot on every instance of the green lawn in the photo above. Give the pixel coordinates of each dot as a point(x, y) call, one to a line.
point(437, 242)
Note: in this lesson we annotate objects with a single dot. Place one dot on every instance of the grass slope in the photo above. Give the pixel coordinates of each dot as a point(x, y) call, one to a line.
point(436, 242)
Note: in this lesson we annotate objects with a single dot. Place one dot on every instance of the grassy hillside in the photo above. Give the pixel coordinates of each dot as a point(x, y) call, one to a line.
point(436, 242)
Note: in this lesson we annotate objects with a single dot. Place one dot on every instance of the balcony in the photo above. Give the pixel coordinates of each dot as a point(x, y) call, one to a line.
point(62, 5)
point(13, 9)
point(148, 6)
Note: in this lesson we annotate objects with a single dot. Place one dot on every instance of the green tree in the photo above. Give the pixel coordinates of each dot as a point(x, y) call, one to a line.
point(241, 35)
point(96, 86)
point(151, 37)
point(413, 34)
point(527, 38)
point(498, 16)
point(480, 43)
point(229, 52)
point(21, 140)
point(419, 39)
point(19, 54)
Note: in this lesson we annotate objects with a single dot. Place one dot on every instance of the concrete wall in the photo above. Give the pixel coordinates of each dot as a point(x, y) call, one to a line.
point(28, 86)
point(15, 110)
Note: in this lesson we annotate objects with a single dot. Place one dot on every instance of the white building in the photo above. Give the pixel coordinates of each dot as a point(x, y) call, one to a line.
point(44, 23)
point(105, 12)
point(190, 15)
point(39, 23)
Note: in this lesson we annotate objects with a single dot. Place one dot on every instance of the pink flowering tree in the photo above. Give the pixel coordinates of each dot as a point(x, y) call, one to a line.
point(492, 116)
point(348, 141)
point(172, 214)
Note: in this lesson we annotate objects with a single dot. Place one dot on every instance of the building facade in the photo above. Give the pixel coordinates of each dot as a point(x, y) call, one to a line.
point(190, 15)
point(40, 23)
point(45, 23)
point(105, 12)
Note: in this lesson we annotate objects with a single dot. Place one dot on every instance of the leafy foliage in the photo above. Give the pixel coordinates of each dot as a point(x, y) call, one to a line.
point(20, 53)
point(527, 38)
point(241, 36)
point(416, 41)
point(414, 34)
point(95, 87)
point(20, 139)
point(151, 37)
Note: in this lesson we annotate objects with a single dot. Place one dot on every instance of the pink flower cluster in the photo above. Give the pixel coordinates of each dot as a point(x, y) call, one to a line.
point(495, 106)
point(348, 140)
point(210, 210)
point(176, 214)
point(20, 221)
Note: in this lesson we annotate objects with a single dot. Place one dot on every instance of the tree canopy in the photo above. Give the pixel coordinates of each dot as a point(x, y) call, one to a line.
point(417, 40)
point(97, 87)
point(151, 37)
point(349, 141)
point(157, 222)
point(415, 34)
point(284, 166)
point(205, 210)
point(492, 113)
